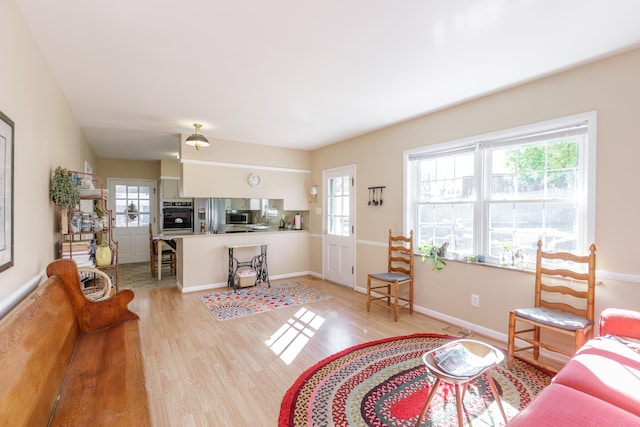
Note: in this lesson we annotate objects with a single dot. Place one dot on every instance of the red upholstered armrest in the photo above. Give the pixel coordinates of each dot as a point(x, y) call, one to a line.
point(619, 322)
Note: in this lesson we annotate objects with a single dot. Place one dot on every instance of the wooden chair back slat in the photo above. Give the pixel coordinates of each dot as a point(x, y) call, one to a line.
point(560, 289)
point(564, 290)
point(399, 260)
point(400, 254)
point(565, 273)
point(583, 282)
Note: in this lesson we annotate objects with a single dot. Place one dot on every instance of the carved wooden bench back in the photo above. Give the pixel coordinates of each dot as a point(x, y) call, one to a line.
point(37, 340)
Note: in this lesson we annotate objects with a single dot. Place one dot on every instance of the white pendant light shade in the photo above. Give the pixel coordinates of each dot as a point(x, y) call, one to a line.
point(197, 140)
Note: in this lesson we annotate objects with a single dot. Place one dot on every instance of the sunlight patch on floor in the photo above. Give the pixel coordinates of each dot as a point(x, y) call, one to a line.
point(289, 340)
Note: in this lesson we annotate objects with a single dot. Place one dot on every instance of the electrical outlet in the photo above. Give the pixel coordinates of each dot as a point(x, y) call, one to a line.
point(475, 300)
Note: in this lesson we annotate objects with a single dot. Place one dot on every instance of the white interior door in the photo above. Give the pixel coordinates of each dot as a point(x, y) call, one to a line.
point(133, 203)
point(339, 226)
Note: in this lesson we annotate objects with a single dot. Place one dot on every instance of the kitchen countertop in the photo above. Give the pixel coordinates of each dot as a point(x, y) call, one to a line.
point(249, 230)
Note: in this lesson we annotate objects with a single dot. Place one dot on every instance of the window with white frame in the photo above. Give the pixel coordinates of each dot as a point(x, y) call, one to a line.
point(496, 195)
point(132, 205)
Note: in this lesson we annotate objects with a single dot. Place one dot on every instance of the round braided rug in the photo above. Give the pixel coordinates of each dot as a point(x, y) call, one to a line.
point(385, 383)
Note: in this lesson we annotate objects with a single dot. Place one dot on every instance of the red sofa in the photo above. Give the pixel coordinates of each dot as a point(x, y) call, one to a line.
point(600, 385)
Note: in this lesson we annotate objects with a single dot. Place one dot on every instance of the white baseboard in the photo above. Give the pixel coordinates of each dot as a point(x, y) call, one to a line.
point(290, 275)
point(493, 334)
point(205, 287)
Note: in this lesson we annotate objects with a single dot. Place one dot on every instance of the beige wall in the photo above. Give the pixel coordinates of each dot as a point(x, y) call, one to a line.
point(610, 87)
point(46, 135)
point(222, 169)
point(205, 257)
point(170, 168)
point(244, 153)
point(203, 180)
point(130, 169)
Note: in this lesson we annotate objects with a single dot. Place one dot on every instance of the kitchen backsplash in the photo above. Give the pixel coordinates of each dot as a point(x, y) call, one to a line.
point(213, 212)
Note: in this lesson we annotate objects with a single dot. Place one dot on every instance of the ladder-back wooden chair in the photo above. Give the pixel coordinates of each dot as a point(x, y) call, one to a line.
point(564, 303)
point(168, 256)
point(399, 273)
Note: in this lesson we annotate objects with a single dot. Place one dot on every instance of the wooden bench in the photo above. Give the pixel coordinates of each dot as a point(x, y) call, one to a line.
point(65, 360)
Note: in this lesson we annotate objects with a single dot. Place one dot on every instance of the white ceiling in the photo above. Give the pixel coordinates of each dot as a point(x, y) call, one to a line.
point(301, 73)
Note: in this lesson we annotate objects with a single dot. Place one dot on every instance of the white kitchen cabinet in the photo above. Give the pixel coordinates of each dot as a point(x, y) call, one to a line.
point(243, 204)
point(240, 204)
point(170, 189)
point(255, 204)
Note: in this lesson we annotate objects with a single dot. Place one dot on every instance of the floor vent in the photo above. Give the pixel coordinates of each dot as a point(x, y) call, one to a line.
point(461, 332)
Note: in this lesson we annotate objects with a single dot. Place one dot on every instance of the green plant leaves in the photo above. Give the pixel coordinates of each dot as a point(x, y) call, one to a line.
point(430, 250)
point(62, 190)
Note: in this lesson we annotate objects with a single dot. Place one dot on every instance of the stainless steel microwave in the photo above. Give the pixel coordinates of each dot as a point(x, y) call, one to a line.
point(237, 218)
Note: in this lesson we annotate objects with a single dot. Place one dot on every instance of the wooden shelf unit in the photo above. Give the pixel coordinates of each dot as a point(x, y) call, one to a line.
point(91, 187)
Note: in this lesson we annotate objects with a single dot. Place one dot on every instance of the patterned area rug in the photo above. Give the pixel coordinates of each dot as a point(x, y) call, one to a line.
point(260, 298)
point(385, 383)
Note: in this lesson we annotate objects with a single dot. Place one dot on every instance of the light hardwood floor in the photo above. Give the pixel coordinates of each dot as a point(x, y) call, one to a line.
point(201, 372)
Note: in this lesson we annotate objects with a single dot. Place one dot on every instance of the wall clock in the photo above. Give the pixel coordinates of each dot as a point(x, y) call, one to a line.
point(254, 180)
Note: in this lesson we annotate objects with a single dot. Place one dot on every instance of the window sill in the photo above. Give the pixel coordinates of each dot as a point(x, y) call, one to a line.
point(526, 269)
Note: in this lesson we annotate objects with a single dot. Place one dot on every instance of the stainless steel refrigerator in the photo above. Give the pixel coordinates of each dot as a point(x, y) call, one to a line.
point(210, 215)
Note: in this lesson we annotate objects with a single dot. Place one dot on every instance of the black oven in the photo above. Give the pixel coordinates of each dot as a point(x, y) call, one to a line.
point(177, 216)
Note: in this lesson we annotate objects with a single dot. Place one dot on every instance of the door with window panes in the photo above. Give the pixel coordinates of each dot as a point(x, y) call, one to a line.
point(339, 228)
point(133, 205)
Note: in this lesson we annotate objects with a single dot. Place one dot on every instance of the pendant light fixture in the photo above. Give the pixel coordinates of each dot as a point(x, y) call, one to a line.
point(197, 140)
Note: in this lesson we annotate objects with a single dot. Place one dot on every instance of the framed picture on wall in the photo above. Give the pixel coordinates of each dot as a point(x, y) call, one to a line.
point(6, 192)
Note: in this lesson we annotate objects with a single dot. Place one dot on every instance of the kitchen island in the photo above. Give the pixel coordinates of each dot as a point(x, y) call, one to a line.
point(203, 258)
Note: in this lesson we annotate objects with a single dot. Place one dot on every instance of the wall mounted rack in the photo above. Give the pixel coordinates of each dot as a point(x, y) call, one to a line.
point(375, 195)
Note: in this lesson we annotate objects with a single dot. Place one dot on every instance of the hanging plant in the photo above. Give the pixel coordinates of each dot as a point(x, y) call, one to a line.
point(62, 190)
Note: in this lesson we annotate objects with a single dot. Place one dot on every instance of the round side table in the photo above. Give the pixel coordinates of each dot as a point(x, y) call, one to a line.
point(458, 363)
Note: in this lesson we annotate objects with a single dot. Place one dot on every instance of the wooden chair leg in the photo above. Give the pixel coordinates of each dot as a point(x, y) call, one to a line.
point(395, 303)
point(511, 339)
point(153, 266)
point(368, 293)
point(496, 396)
point(579, 339)
point(459, 404)
point(536, 347)
point(411, 297)
point(432, 393)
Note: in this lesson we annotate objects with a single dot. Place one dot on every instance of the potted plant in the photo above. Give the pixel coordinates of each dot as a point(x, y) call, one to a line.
point(436, 253)
point(512, 255)
point(64, 194)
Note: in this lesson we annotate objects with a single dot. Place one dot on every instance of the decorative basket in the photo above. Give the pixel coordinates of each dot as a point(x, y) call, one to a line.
point(95, 283)
point(246, 278)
